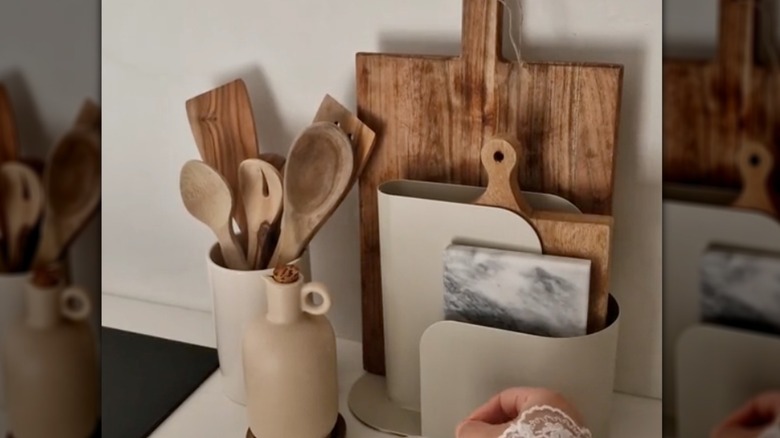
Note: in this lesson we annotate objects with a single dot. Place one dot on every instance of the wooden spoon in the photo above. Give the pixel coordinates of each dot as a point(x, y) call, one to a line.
point(207, 196)
point(71, 181)
point(261, 191)
point(223, 125)
point(317, 176)
point(23, 202)
point(9, 137)
point(755, 165)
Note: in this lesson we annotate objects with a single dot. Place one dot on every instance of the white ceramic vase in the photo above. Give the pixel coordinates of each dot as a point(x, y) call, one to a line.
point(238, 297)
point(12, 287)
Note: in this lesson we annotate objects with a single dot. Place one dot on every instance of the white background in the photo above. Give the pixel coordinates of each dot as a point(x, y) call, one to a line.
point(157, 54)
point(50, 63)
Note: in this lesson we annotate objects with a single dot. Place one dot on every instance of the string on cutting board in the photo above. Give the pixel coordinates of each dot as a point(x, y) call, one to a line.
point(516, 43)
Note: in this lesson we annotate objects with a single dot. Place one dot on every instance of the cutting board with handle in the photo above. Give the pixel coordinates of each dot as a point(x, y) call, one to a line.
point(712, 106)
point(582, 236)
point(432, 114)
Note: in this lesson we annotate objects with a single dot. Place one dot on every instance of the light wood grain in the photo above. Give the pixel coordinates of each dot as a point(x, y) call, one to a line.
point(208, 198)
point(72, 186)
point(223, 126)
point(360, 135)
point(583, 236)
point(319, 169)
point(22, 199)
point(562, 234)
point(9, 137)
point(711, 107)
point(499, 158)
point(260, 185)
point(433, 114)
point(756, 164)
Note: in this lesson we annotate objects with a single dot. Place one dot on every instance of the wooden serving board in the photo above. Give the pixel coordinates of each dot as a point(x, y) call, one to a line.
point(432, 115)
point(711, 107)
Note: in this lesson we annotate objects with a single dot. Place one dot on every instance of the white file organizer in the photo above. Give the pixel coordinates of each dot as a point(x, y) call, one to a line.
point(718, 370)
point(689, 229)
point(417, 221)
point(464, 365)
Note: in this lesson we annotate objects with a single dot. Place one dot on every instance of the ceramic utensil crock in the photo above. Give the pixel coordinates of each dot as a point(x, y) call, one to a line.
point(12, 287)
point(50, 364)
point(290, 361)
point(238, 297)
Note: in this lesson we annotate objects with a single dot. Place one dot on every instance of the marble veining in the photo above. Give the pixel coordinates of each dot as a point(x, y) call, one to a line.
point(741, 288)
point(523, 292)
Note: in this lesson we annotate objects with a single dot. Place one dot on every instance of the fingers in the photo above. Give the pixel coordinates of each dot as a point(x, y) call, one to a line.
point(760, 410)
point(510, 403)
point(478, 429)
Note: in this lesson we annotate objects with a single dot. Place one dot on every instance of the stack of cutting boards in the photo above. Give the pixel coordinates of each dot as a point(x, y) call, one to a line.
point(711, 108)
point(433, 114)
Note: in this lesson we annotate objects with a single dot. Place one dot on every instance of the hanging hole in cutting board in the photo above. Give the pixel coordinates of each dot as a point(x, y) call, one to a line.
point(498, 156)
point(755, 160)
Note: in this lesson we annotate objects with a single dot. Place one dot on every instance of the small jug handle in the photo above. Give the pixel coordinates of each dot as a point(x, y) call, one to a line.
point(75, 304)
point(308, 291)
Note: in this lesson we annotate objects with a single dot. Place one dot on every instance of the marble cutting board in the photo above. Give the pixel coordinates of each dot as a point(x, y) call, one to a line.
point(741, 288)
point(517, 291)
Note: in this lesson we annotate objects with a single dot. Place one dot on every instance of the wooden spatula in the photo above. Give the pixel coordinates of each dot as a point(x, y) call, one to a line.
point(319, 170)
point(582, 236)
point(9, 137)
point(755, 165)
point(224, 129)
point(360, 135)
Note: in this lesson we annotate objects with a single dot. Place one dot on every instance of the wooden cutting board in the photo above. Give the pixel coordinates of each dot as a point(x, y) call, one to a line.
point(432, 115)
point(711, 107)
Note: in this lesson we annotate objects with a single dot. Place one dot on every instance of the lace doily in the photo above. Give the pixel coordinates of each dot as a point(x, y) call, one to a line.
point(545, 422)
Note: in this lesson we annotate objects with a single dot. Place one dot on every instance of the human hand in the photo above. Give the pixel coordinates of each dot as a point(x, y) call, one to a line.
point(752, 418)
point(494, 417)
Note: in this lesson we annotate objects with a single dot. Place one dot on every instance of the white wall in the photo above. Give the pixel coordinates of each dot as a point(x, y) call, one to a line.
point(50, 62)
point(158, 54)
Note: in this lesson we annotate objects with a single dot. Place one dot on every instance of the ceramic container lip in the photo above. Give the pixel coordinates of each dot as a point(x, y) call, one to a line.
point(214, 258)
point(14, 276)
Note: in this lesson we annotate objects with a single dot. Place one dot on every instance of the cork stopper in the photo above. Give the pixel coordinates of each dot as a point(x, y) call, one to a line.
point(286, 274)
point(47, 276)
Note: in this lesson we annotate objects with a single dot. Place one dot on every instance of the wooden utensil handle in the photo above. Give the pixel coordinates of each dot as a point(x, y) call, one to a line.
point(499, 157)
point(755, 164)
point(482, 31)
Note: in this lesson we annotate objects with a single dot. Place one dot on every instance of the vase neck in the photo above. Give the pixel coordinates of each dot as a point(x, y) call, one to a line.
point(284, 302)
point(43, 306)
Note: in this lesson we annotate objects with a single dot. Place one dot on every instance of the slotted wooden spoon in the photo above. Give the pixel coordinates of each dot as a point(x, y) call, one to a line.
point(317, 175)
point(208, 198)
point(22, 199)
point(261, 192)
